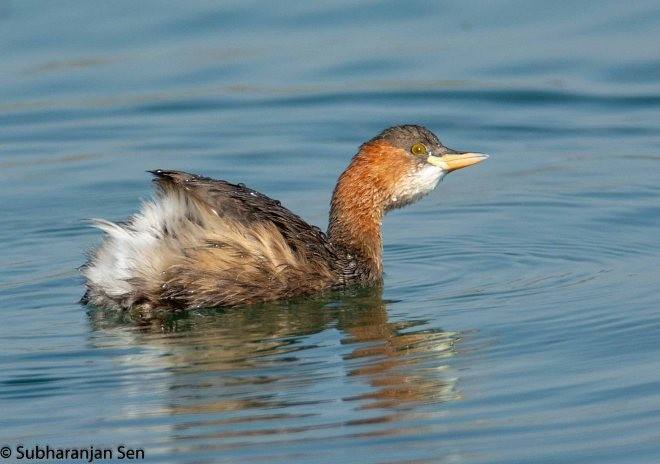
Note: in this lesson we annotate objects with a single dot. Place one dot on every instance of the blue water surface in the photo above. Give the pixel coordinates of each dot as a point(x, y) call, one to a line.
point(519, 317)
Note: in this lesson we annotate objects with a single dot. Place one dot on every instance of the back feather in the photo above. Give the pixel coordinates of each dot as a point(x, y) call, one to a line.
point(203, 242)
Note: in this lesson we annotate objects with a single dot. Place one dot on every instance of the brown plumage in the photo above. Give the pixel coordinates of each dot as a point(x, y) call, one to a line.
point(205, 242)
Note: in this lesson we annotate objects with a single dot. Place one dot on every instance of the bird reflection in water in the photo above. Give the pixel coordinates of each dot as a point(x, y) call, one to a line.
point(292, 354)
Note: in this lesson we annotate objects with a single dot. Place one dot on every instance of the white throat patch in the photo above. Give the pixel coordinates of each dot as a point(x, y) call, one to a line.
point(414, 186)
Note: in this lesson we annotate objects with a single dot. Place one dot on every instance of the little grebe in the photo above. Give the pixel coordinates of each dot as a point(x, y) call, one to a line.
point(205, 243)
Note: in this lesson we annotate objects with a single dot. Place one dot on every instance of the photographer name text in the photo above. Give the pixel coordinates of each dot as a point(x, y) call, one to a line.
point(81, 454)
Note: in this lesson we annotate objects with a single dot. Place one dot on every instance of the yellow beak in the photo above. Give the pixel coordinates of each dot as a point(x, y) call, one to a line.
point(451, 162)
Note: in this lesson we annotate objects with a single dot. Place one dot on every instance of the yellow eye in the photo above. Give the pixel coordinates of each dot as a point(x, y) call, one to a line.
point(418, 149)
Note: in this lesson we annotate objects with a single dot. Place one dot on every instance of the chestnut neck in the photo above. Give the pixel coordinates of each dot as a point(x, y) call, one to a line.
point(357, 209)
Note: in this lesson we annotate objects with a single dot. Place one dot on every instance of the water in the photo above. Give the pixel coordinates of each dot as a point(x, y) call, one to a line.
point(519, 316)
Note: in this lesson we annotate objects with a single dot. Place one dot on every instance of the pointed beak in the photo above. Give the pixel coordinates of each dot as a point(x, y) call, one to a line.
point(455, 160)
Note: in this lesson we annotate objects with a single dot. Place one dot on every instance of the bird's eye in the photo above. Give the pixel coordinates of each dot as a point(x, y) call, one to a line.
point(418, 149)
